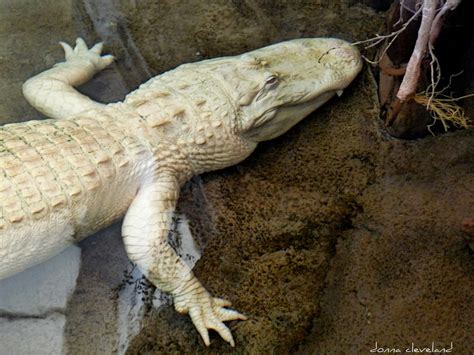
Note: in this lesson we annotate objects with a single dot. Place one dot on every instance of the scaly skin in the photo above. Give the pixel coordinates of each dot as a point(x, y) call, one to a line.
point(64, 179)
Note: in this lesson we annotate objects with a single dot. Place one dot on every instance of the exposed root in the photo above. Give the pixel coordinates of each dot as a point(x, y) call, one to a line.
point(441, 107)
point(444, 109)
point(391, 37)
point(410, 80)
point(435, 71)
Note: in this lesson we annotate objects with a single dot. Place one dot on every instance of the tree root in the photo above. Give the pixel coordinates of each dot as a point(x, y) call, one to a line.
point(441, 107)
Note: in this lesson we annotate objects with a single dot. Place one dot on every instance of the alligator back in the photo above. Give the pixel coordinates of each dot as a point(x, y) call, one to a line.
point(61, 180)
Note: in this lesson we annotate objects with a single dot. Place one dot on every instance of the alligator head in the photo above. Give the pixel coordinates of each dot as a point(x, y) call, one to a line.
point(299, 76)
point(275, 87)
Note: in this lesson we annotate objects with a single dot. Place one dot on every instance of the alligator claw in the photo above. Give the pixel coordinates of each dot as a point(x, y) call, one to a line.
point(207, 313)
point(80, 53)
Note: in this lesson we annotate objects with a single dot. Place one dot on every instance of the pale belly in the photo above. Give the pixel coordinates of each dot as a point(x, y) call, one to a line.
point(30, 243)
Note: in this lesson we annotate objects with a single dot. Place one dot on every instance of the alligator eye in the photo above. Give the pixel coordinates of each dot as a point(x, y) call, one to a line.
point(271, 81)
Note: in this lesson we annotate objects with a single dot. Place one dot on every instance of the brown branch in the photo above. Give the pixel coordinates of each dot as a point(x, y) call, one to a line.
point(392, 71)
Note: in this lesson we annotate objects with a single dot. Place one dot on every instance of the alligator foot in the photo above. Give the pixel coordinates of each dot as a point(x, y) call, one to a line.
point(207, 312)
point(80, 53)
point(52, 92)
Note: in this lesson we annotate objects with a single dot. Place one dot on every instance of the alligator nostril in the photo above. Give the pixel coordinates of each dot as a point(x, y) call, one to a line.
point(343, 52)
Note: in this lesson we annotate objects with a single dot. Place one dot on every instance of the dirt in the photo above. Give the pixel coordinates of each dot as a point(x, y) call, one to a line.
point(335, 237)
point(20, 30)
point(169, 33)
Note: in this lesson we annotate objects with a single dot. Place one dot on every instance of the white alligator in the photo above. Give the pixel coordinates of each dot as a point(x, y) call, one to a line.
point(64, 178)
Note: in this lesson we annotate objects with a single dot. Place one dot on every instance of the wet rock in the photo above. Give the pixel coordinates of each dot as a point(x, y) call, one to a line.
point(39, 336)
point(33, 303)
point(41, 289)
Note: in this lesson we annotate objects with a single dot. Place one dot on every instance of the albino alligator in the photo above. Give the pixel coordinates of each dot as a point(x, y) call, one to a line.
point(62, 180)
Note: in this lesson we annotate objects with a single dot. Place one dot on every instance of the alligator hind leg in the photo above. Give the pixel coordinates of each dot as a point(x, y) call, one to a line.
point(52, 91)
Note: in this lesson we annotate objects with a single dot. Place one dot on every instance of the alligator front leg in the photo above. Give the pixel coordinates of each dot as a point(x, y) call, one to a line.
point(145, 231)
point(52, 91)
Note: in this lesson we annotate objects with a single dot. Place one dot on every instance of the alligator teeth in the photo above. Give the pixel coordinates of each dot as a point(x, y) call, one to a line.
point(339, 92)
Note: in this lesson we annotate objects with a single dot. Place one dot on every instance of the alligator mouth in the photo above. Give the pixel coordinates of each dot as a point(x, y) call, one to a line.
point(311, 102)
point(277, 120)
point(330, 78)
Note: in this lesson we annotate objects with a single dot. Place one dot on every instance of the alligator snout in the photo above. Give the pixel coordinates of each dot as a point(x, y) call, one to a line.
point(339, 50)
point(345, 52)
